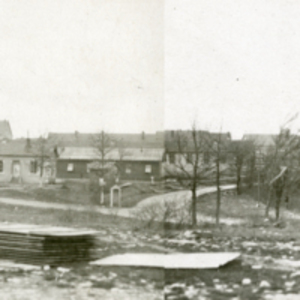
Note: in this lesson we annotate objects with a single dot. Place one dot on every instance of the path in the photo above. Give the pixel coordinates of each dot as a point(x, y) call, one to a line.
point(177, 199)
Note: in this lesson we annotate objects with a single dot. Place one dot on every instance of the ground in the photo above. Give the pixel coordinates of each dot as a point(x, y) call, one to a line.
point(78, 192)
point(268, 267)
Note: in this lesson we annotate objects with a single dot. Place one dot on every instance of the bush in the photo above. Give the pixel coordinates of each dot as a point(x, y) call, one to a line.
point(161, 215)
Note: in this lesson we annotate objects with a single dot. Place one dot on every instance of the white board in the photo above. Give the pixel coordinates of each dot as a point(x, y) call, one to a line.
point(170, 261)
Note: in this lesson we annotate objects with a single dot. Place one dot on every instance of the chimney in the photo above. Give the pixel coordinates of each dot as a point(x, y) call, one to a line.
point(28, 145)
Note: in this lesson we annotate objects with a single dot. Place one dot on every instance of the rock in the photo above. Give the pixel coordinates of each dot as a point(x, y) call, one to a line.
point(246, 281)
point(177, 297)
point(50, 275)
point(63, 283)
point(249, 244)
point(112, 275)
point(191, 292)
point(257, 267)
point(63, 270)
point(85, 285)
point(189, 234)
point(289, 284)
point(295, 275)
point(102, 282)
point(14, 280)
point(46, 268)
point(268, 259)
point(264, 284)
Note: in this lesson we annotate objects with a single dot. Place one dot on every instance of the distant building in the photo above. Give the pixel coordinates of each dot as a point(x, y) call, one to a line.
point(19, 162)
point(180, 145)
point(140, 158)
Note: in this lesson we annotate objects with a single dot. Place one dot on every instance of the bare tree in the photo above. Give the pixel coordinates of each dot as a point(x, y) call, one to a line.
point(122, 152)
point(103, 145)
point(281, 167)
point(188, 166)
point(241, 153)
point(218, 147)
point(42, 152)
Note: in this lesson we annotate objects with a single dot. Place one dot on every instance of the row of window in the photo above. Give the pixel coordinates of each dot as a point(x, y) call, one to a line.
point(189, 157)
point(148, 169)
point(128, 168)
point(33, 167)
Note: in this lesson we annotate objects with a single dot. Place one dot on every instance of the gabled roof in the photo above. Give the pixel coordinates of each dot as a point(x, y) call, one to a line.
point(172, 138)
point(129, 140)
point(129, 154)
point(17, 147)
point(5, 130)
point(261, 140)
point(241, 145)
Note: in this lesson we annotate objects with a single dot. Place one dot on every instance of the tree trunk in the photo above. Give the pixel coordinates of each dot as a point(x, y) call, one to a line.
point(268, 202)
point(238, 182)
point(101, 196)
point(194, 207)
point(218, 194)
point(278, 202)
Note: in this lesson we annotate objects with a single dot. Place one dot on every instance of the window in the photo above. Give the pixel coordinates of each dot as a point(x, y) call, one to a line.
point(206, 157)
point(70, 167)
point(1, 166)
point(189, 158)
point(171, 158)
point(148, 169)
point(128, 169)
point(33, 166)
point(223, 157)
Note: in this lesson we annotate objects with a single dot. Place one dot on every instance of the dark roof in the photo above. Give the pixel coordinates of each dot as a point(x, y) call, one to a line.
point(5, 130)
point(130, 154)
point(242, 144)
point(261, 140)
point(172, 137)
point(15, 147)
point(20, 147)
point(133, 140)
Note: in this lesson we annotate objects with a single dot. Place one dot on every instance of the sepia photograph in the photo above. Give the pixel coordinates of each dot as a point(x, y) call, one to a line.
point(149, 150)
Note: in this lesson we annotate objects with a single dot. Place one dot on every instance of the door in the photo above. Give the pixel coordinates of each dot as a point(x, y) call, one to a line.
point(16, 169)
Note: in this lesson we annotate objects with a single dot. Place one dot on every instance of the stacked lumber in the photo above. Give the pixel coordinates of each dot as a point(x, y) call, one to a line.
point(45, 245)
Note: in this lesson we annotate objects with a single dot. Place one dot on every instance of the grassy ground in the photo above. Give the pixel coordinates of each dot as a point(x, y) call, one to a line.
point(232, 206)
point(224, 238)
point(79, 193)
point(28, 215)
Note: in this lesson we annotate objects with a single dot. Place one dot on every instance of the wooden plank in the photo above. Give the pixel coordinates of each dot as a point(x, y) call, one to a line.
point(170, 261)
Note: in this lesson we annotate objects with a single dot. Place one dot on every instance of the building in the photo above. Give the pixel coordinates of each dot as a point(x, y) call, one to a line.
point(180, 146)
point(137, 156)
point(183, 148)
point(20, 162)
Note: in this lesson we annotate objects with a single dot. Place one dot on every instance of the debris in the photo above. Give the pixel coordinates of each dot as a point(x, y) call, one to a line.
point(264, 284)
point(246, 281)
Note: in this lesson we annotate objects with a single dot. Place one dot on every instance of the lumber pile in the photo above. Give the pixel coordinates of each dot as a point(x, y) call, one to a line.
point(45, 245)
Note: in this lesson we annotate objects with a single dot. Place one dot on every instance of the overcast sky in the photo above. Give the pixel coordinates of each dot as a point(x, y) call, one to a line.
point(81, 65)
point(141, 65)
point(232, 64)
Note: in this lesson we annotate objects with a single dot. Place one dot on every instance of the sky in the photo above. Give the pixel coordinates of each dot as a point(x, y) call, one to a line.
point(140, 65)
point(82, 65)
point(232, 65)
